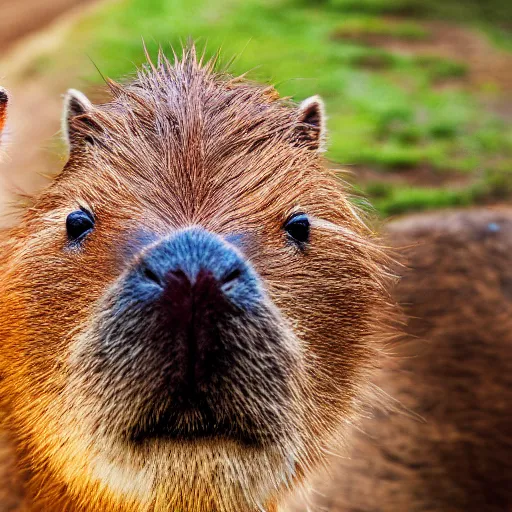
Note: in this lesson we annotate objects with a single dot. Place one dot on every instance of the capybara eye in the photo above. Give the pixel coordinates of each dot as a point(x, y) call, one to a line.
point(297, 227)
point(79, 224)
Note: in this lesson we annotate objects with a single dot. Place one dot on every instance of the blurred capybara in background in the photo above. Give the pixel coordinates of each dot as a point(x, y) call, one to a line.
point(448, 444)
point(190, 312)
point(11, 492)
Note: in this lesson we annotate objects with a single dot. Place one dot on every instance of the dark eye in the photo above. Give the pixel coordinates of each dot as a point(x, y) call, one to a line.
point(79, 224)
point(298, 227)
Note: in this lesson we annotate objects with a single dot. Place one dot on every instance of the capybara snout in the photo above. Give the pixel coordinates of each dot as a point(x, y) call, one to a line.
point(195, 265)
point(184, 291)
point(190, 326)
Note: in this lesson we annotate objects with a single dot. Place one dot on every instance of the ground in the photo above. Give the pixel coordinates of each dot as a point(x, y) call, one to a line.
point(19, 19)
point(418, 93)
point(30, 28)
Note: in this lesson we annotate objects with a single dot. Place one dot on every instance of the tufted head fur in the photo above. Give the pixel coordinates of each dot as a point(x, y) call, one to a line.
point(184, 165)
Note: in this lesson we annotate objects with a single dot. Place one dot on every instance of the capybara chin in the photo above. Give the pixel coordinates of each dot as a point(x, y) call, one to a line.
point(190, 311)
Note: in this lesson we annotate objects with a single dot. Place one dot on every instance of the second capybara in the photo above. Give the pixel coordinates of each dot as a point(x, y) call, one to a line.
point(446, 445)
point(190, 312)
point(3, 109)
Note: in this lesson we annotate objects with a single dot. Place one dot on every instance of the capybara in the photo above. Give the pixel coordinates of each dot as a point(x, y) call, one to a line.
point(3, 109)
point(191, 312)
point(194, 318)
point(447, 443)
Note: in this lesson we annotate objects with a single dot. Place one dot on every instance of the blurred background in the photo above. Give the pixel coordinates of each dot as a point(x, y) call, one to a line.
point(418, 92)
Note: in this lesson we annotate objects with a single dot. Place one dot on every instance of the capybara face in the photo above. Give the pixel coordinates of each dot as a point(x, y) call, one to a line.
point(190, 309)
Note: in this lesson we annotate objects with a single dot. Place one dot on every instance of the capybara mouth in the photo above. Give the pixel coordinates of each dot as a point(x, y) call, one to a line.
point(196, 424)
point(184, 350)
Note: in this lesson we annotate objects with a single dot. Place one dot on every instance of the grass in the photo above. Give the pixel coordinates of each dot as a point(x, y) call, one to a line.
point(390, 199)
point(401, 200)
point(386, 109)
point(493, 12)
point(372, 27)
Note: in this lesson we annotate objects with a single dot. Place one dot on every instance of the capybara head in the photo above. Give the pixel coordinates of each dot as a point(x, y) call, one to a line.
point(189, 311)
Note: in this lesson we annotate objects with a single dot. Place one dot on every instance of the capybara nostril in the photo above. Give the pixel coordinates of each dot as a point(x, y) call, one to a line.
point(230, 279)
point(150, 275)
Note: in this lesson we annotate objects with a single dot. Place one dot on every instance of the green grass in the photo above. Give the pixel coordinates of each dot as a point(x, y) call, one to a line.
point(492, 16)
point(495, 12)
point(401, 200)
point(385, 109)
point(390, 199)
point(370, 26)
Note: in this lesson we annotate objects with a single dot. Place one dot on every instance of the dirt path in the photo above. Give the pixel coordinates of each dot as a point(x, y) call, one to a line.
point(27, 29)
point(19, 18)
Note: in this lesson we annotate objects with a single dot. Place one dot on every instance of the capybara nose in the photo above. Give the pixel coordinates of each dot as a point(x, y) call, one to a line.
point(195, 265)
point(193, 284)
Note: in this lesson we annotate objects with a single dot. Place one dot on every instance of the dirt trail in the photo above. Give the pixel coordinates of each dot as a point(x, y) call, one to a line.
point(19, 18)
point(486, 63)
point(27, 29)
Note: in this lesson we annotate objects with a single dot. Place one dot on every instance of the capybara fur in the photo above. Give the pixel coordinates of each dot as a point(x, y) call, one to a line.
point(3, 109)
point(447, 445)
point(191, 311)
point(194, 318)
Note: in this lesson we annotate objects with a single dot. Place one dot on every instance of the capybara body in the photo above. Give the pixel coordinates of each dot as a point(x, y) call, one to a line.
point(190, 312)
point(447, 445)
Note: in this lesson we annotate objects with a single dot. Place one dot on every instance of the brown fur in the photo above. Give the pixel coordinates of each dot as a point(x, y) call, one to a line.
point(448, 445)
point(3, 108)
point(184, 146)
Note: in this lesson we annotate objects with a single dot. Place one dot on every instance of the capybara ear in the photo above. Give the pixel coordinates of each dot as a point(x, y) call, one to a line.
point(311, 123)
point(77, 123)
point(4, 99)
